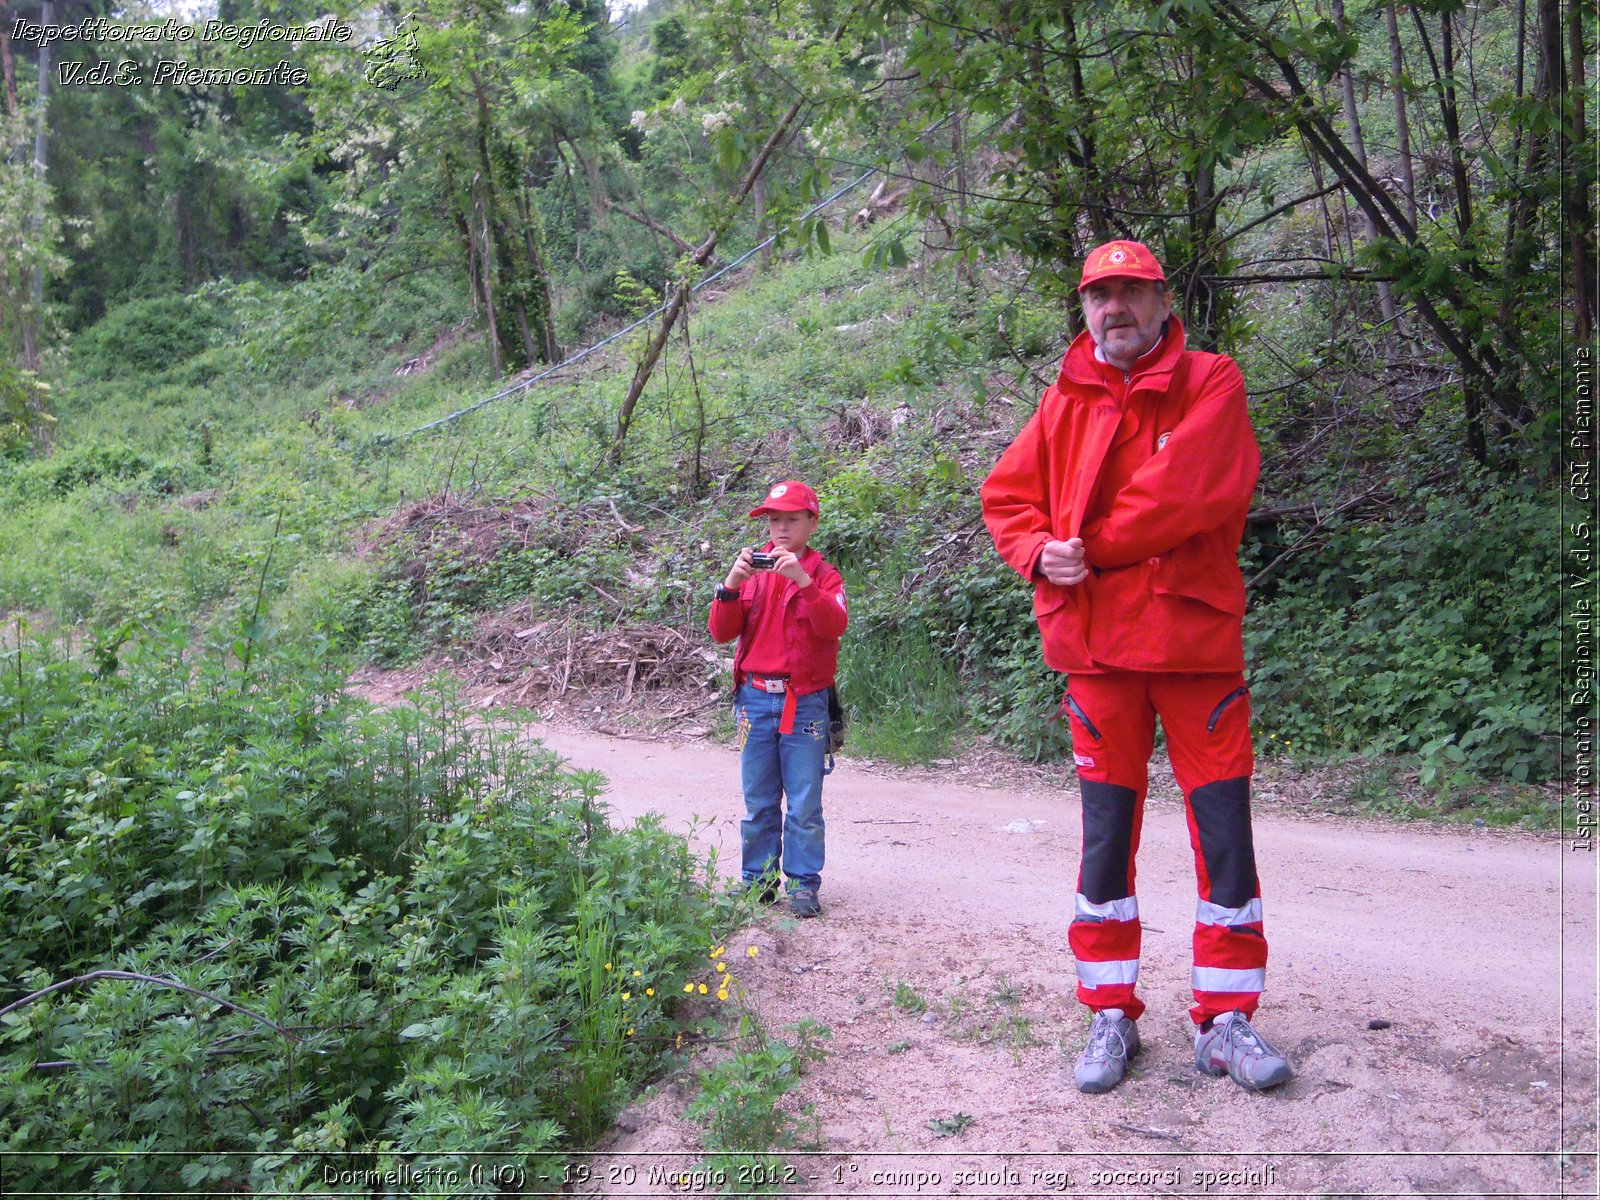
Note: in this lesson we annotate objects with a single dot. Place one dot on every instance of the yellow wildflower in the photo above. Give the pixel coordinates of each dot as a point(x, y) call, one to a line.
point(608, 966)
point(688, 987)
point(703, 989)
point(752, 951)
point(717, 953)
point(627, 995)
point(649, 991)
point(721, 967)
point(723, 994)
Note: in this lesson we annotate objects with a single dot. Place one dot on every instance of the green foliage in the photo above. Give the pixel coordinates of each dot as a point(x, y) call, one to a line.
point(149, 336)
point(951, 1126)
point(904, 695)
point(908, 1000)
point(30, 243)
point(25, 418)
point(738, 1104)
point(1396, 788)
point(75, 468)
point(1421, 636)
point(429, 912)
point(174, 186)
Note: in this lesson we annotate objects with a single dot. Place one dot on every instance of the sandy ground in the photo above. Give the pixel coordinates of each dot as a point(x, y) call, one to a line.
point(1472, 949)
point(1477, 946)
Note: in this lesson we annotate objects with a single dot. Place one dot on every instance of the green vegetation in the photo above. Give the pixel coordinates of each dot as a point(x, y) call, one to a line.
point(296, 928)
point(238, 326)
point(167, 513)
point(952, 1126)
point(738, 1105)
point(907, 999)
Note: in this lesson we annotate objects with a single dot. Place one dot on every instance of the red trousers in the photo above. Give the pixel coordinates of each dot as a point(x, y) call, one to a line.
point(1207, 723)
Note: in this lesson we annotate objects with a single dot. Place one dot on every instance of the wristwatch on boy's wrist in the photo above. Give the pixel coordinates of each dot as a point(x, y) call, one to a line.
point(724, 593)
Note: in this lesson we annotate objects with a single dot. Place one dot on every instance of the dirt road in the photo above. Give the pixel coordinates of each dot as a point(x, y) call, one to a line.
point(1478, 948)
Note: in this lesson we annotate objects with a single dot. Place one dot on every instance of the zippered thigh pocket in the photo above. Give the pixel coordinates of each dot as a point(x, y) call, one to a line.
point(1223, 705)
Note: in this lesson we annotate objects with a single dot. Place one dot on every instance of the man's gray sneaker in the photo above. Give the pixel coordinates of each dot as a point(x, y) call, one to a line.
point(803, 902)
point(1231, 1047)
point(1113, 1040)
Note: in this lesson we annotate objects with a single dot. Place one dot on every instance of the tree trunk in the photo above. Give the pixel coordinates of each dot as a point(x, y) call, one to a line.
point(517, 278)
point(1402, 122)
point(8, 68)
point(544, 332)
point(1449, 112)
point(1577, 177)
point(958, 152)
point(1094, 190)
point(1352, 120)
point(680, 294)
point(486, 270)
point(758, 197)
point(41, 164)
point(1523, 233)
point(1202, 299)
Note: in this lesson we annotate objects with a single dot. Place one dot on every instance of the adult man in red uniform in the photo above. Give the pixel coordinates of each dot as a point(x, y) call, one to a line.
point(1123, 501)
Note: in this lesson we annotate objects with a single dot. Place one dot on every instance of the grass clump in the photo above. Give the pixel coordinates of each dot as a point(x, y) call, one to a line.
point(907, 999)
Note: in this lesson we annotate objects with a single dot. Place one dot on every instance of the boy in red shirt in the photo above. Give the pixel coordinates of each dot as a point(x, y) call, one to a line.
point(785, 604)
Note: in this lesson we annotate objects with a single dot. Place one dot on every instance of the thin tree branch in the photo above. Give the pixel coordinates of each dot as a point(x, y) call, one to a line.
point(649, 222)
point(137, 977)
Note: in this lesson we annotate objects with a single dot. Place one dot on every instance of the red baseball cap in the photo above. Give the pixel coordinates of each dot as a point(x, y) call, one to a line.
point(1121, 260)
point(789, 496)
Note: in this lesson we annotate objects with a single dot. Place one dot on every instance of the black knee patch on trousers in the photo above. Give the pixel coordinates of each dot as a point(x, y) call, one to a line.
point(1107, 837)
point(1222, 815)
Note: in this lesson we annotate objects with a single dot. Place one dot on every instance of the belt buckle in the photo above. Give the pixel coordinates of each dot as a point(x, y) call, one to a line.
point(773, 687)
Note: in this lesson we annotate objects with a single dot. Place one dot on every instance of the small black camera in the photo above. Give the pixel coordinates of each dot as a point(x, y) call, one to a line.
point(760, 561)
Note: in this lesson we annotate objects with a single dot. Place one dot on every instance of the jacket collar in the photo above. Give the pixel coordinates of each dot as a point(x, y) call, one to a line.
point(1081, 365)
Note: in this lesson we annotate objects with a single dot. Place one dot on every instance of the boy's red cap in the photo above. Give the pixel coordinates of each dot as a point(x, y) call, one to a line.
point(1121, 260)
point(789, 496)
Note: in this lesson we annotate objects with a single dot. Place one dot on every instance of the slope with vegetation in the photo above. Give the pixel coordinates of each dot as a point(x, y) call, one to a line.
point(225, 481)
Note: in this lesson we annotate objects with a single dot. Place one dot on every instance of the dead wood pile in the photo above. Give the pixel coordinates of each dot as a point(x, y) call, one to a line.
point(524, 658)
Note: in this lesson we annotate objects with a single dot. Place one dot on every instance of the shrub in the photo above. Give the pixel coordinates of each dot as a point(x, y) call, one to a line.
point(68, 470)
point(293, 933)
point(1436, 634)
point(146, 337)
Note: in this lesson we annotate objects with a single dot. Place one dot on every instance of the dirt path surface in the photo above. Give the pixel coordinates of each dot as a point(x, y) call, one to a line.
point(1477, 946)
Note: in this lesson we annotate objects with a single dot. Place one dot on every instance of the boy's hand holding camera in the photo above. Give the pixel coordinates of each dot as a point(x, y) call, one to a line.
point(750, 560)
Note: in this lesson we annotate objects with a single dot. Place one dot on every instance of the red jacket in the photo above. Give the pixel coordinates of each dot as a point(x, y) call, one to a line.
point(1154, 470)
point(814, 619)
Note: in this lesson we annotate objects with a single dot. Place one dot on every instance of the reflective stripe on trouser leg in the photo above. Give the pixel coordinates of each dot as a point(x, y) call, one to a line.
point(1105, 932)
point(1230, 945)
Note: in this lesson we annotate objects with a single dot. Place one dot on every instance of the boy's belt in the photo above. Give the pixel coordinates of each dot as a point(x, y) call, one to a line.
point(777, 685)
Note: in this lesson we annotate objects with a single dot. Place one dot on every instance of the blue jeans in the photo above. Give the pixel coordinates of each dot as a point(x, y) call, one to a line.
point(773, 765)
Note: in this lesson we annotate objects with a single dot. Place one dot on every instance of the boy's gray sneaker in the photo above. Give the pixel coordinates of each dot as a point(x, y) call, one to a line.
point(762, 891)
point(803, 902)
point(1113, 1040)
point(1231, 1047)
